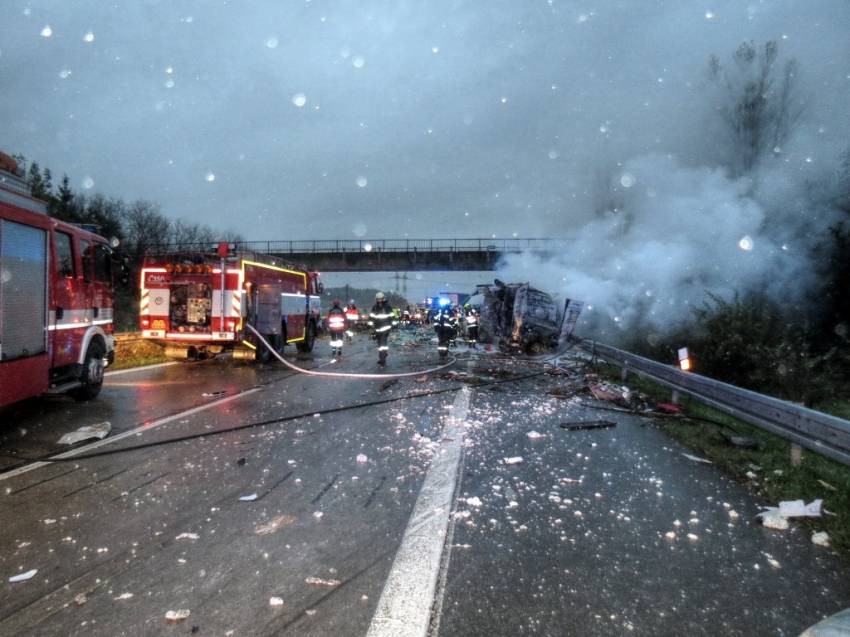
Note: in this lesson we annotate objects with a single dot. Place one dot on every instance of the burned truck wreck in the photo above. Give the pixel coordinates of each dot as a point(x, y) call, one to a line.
point(518, 317)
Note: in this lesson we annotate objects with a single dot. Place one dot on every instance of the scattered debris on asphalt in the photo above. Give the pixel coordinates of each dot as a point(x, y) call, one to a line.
point(275, 601)
point(80, 599)
point(248, 498)
point(697, 458)
point(187, 536)
point(123, 596)
point(241, 462)
point(318, 581)
point(176, 616)
point(668, 408)
point(535, 435)
point(587, 424)
point(821, 538)
point(561, 393)
point(474, 502)
point(210, 394)
point(23, 577)
point(88, 432)
point(274, 525)
point(362, 458)
point(387, 384)
point(513, 460)
point(617, 394)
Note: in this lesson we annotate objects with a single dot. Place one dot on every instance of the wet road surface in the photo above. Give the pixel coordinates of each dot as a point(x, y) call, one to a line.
point(579, 537)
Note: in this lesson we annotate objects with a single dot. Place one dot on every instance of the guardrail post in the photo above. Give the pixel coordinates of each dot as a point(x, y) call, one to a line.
point(624, 372)
point(675, 397)
point(796, 455)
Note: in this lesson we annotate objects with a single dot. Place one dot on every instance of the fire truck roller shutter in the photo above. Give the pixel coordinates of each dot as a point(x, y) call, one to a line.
point(23, 290)
point(294, 308)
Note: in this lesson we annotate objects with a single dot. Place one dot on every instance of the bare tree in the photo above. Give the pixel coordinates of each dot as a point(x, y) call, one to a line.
point(145, 227)
point(761, 108)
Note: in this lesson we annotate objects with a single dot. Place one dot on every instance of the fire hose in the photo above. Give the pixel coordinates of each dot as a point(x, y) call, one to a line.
point(310, 372)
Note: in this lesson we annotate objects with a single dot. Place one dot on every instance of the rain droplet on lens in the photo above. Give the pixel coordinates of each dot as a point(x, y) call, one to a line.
point(88, 182)
point(88, 37)
point(627, 180)
point(362, 181)
point(47, 31)
point(746, 243)
point(272, 42)
point(358, 62)
point(210, 177)
point(299, 99)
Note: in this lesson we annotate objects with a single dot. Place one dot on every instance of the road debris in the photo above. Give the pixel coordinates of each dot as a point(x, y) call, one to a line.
point(618, 394)
point(318, 581)
point(821, 538)
point(512, 460)
point(772, 520)
point(387, 384)
point(177, 616)
point(99, 431)
point(210, 394)
point(187, 536)
point(535, 435)
point(474, 502)
point(668, 408)
point(80, 599)
point(123, 596)
point(241, 462)
point(827, 485)
point(799, 509)
point(697, 458)
point(587, 424)
point(742, 442)
point(23, 577)
point(275, 601)
point(274, 525)
point(362, 458)
point(248, 498)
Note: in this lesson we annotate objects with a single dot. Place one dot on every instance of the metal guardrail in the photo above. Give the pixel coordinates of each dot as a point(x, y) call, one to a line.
point(822, 433)
point(383, 245)
point(127, 337)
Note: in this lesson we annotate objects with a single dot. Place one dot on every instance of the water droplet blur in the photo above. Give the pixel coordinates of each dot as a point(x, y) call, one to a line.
point(627, 180)
point(65, 74)
point(169, 70)
point(272, 42)
point(299, 99)
point(504, 100)
point(358, 62)
point(210, 177)
point(362, 181)
point(345, 53)
point(435, 49)
point(553, 154)
point(709, 15)
point(46, 32)
point(169, 83)
point(360, 229)
point(746, 243)
point(88, 182)
point(88, 37)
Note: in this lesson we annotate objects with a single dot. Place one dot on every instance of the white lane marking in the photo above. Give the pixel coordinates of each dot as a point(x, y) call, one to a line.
point(144, 368)
point(132, 432)
point(404, 609)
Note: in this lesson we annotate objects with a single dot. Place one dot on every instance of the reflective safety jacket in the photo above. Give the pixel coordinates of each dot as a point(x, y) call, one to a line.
point(351, 314)
point(336, 320)
point(381, 317)
point(472, 319)
point(444, 318)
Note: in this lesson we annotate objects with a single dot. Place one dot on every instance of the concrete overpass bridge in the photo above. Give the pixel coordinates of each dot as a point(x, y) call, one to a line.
point(390, 255)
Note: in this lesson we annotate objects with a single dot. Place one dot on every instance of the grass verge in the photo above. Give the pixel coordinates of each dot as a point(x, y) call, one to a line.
point(776, 478)
point(137, 353)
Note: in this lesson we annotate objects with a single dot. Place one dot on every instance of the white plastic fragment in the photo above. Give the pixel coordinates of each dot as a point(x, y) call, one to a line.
point(123, 596)
point(799, 509)
point(275, 601)
point(248, 498)
point(362, 458)
point(187, 536)
point(773, 520)
point(535, 435)
point(513, 460)
point(821, 538)
point(174, 616)
point(697, 458)
point(23, 577)
point(474, 502)
point(318, 581)
point(99, 431)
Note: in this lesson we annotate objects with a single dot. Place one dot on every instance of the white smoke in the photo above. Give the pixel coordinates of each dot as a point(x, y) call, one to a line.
point(670, 235)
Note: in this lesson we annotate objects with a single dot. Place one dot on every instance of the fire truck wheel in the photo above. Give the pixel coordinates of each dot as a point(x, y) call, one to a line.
point(264, 355)
point(91, 375)
point(309, 338)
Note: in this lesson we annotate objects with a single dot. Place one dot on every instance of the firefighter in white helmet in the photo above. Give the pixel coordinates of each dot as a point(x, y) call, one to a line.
point(351, 318)
point(381, 322)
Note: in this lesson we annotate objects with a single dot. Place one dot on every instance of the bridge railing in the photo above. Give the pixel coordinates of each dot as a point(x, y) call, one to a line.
point(403, 245)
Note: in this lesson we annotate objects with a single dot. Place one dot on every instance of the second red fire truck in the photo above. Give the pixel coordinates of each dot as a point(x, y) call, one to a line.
point(197, 303)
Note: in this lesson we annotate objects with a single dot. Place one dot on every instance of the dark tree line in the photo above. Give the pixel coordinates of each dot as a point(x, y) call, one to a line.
point(139, 226)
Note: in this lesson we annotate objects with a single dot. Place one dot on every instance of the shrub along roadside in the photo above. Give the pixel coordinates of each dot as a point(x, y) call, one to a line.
point(776, 478)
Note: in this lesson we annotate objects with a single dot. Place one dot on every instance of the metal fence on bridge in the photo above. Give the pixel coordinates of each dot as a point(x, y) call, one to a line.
point(306, 246)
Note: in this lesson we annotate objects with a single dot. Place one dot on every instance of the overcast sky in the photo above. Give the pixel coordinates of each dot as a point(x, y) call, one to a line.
point(358, 118)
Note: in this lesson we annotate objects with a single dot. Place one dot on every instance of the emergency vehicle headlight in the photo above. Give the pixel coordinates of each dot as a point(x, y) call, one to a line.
point(145, 322)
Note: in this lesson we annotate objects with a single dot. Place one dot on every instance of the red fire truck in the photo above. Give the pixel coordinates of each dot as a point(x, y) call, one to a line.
point(55, 299)
point(197, 303)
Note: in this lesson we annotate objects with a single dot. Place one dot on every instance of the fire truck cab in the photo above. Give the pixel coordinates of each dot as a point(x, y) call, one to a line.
point(55, 299)
point(197, 303)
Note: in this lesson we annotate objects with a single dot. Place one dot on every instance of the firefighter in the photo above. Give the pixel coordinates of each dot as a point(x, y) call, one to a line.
point(457, 315)
point(405, 316)
point(336, 326)
point(351, 317)
point(472, 328)
point(444, 325)
point(381, 322)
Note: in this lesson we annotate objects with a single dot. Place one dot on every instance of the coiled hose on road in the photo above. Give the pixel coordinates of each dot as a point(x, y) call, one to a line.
point(310, 372)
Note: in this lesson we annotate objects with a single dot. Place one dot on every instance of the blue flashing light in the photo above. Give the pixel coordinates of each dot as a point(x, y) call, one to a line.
point(445, 302)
